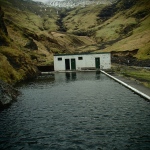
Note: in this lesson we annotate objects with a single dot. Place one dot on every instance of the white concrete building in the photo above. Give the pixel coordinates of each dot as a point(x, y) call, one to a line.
point(90, 61)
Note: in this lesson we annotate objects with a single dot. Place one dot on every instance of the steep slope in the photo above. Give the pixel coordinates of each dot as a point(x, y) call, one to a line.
point(35, 29)
point(30, 33)
point(128, 28)
point(15, 65)
point(81, 21)
point(124, 25)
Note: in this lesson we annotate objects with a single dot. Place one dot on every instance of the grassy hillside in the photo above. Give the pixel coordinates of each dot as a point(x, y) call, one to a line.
point(122, 26)
point(15, 65)
point(32, 33)
point(81, 20)
point(29, 22)
point(130, 27)
point(30, 15)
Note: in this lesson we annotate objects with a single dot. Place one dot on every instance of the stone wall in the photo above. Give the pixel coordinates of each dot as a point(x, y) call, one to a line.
point(8, 94)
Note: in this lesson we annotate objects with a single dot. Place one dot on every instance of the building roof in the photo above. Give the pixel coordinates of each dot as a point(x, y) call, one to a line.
point(81, 54)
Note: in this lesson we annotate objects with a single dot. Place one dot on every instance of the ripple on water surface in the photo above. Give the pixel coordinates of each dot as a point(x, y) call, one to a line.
point(76, 111)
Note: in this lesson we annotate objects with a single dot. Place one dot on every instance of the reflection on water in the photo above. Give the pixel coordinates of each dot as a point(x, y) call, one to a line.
point(71, 75)
point(72, 111)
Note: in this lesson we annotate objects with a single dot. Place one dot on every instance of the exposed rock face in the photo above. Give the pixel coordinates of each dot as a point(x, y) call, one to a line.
point(2, 24)
point(127, 58)
point(8, 94)
point(31, 45)
point(3, 30)
point(15, 66)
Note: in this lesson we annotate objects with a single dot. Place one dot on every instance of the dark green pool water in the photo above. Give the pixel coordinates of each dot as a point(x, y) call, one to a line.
point(76, 111)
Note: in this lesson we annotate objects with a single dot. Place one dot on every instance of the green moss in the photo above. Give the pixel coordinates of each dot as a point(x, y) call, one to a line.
point(139, 74)
point(4, 40)
point(78, 18)
point(14, 65)
point(7, 72)
point(144, 52)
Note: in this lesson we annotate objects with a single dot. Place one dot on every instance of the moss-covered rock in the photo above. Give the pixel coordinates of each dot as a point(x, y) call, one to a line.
point(2, 24)
point(15, 65)
point(8, 94)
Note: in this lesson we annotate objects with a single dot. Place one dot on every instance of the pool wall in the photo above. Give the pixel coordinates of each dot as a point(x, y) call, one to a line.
point(128, 86)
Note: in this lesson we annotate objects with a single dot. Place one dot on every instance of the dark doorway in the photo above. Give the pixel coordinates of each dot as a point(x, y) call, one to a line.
point(73, 64)
point(67, 64)
point(97, 63)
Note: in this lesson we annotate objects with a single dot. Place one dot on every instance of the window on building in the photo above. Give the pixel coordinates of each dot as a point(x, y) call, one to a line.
point(80, 58)
point(59, 59)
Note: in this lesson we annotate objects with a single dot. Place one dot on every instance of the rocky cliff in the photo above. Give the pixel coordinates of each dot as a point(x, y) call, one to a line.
point(3, 29)
point(8, 94)
point(15, 66)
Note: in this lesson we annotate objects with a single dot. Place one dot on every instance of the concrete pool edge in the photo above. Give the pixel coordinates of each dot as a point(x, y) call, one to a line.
point(128, 86)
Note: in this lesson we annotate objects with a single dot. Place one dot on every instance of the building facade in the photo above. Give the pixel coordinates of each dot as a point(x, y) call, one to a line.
point(90, 61)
